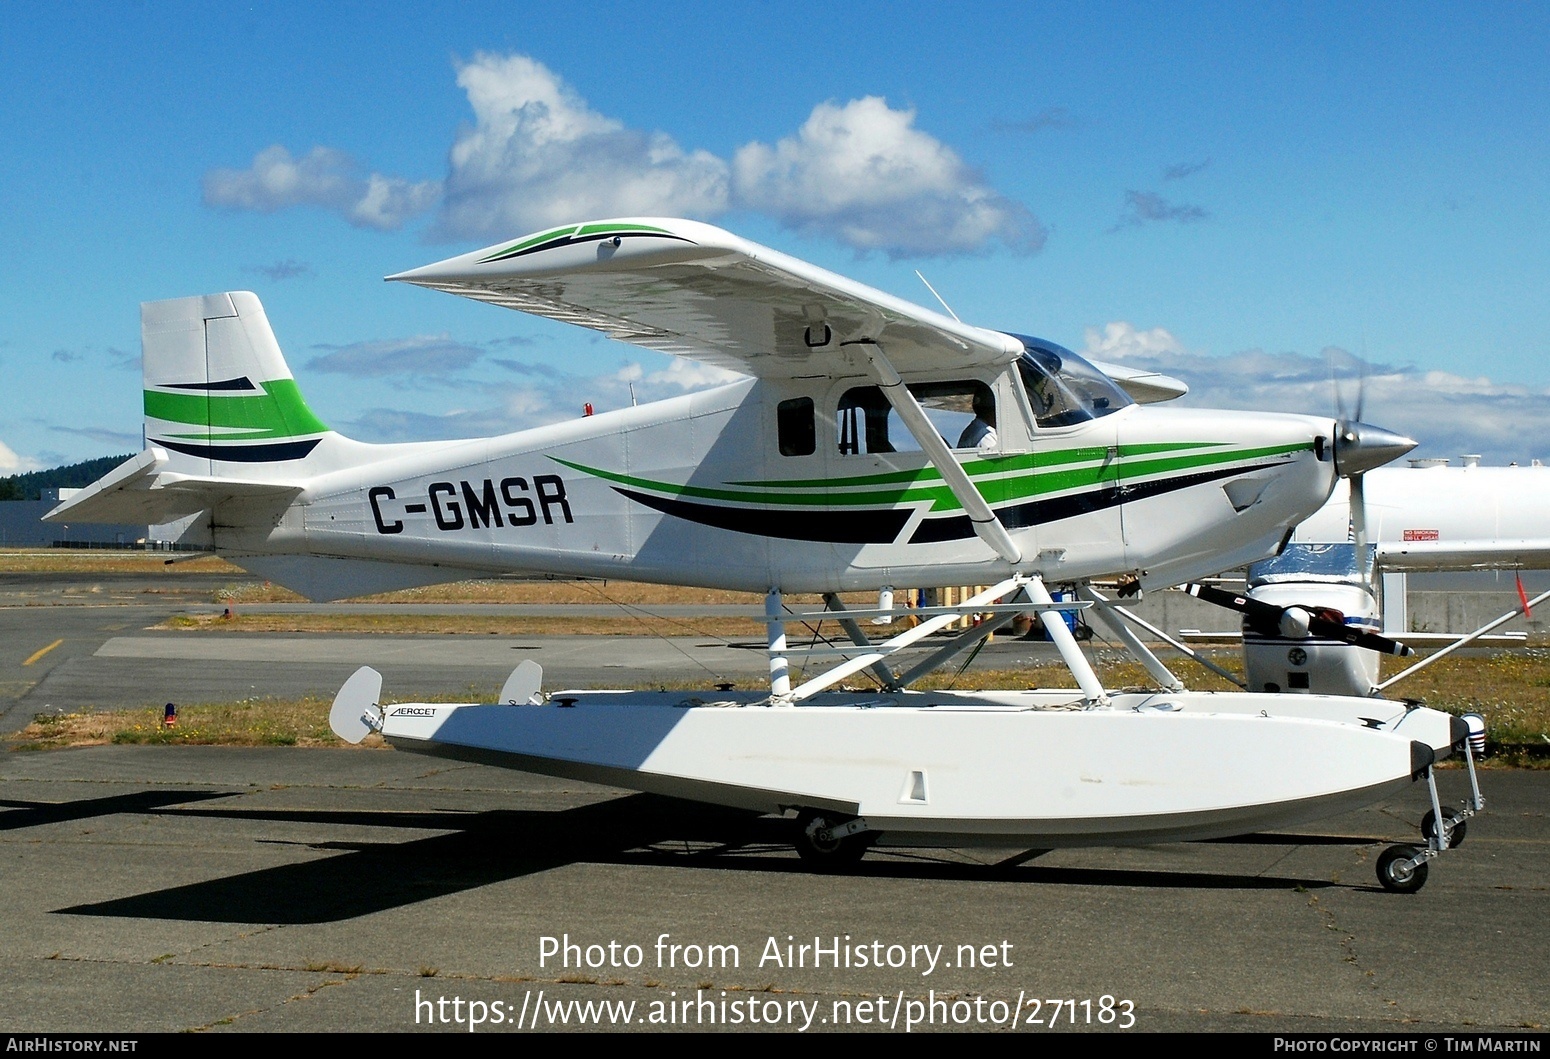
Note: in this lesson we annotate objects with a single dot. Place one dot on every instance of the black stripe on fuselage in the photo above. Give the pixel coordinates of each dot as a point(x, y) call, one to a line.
point(276, 453)
point(873, 526)
point(882, 526)
point(1040, 512)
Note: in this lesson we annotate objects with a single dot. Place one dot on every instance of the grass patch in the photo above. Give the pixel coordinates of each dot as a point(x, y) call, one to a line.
point(501, 590)
point(1511, 690)
point(251, 722)
point(254, 722)
point(87, 561)
point(469, 624)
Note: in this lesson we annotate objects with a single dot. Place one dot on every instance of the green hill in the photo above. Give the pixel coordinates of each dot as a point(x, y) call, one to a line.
point(30, 486)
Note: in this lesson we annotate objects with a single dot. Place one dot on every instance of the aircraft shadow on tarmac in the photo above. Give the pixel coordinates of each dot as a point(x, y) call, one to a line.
point(490, 847)
point(36, 814)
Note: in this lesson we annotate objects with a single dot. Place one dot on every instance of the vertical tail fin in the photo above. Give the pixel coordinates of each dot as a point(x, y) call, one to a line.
point(219, 397)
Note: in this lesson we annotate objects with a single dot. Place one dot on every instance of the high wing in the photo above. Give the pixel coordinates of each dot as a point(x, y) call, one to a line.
point(695, 290)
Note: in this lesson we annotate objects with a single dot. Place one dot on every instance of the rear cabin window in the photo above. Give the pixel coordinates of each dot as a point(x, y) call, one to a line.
point(962, 413)
point(796, 427)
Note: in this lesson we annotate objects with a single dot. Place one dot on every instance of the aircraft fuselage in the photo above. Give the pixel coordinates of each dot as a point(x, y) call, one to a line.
point(706, 490)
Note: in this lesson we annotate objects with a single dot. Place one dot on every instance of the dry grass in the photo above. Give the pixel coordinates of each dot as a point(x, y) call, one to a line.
point(473, 625)
point(1511, 690)
point(255, 722)
point(500, 590)
point(68, 561)
point(626, 624)
point(251, 722)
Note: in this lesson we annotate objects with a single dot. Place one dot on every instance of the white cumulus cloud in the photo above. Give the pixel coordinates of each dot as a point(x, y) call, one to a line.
point(864, 172)
point(1447, 414)
point(11, 463)
point(324, 177)
point(538, 155)
point(1121, 340)
point(681, 374)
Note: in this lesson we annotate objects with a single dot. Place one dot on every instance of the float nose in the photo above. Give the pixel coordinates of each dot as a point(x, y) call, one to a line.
point(1361, 447)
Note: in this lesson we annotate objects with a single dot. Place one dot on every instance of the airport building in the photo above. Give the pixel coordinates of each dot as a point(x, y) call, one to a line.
point(22, 526)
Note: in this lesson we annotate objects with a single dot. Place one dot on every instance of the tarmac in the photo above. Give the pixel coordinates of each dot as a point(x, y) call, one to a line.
point(217, 889)
point(205, 888)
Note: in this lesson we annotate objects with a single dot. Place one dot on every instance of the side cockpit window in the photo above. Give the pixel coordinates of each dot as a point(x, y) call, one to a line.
point(796, 427)
point(963, 413)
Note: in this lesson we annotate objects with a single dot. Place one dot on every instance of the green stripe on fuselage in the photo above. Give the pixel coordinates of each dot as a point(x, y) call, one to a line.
point(1026, 461)
point(925, 484)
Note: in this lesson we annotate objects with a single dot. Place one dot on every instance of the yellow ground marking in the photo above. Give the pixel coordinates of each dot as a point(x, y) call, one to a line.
point(40, 652)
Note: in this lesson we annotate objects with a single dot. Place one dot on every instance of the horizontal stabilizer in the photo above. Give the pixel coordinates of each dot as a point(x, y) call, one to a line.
point(141, 490)
point(1440, 639)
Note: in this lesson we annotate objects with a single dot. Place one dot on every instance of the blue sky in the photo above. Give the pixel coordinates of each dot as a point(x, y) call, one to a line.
point(1238, 194)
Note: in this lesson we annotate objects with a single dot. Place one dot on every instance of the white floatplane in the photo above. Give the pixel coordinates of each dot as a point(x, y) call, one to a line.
point(828, 469)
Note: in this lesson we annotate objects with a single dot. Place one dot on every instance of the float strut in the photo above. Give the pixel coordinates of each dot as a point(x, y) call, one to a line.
point(775, 628)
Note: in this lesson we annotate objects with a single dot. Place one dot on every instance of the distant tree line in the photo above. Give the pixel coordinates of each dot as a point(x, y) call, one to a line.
point(30, 486)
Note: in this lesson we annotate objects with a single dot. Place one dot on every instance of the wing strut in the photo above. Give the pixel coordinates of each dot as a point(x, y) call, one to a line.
point(984, 520)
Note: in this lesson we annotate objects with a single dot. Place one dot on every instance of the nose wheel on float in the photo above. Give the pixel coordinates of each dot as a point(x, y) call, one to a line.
point(1402, 869)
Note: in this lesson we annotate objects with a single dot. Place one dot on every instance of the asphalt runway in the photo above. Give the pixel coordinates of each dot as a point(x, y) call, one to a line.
point(100, 650)
point(196, 888)
point(199, 888)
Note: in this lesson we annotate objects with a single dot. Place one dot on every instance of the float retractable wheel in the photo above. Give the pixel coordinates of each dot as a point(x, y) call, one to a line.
point(1398, 872)
point(817, 847)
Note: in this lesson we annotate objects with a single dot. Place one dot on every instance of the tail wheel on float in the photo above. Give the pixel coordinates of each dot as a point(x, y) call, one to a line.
point(815, 845)
point(1397, 873)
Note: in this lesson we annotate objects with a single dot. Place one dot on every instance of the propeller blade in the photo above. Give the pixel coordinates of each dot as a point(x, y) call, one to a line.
point(1333, 630)
point(1266, 619)
point(1359, 525)
point(1361, 387)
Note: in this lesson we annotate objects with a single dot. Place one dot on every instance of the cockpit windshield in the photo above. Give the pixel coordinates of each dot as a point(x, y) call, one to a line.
point(1063, 388)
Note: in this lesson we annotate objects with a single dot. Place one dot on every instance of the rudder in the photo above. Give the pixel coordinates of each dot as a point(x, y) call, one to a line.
point(219, 397)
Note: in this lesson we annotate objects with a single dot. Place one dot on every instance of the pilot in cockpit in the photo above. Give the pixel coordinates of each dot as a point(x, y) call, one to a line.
point(980, 434)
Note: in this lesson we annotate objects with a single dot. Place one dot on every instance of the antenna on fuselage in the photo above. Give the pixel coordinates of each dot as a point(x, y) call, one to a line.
point(937, 296)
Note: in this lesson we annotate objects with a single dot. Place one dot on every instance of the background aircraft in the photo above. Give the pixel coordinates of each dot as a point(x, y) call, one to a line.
point(1421, 519)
